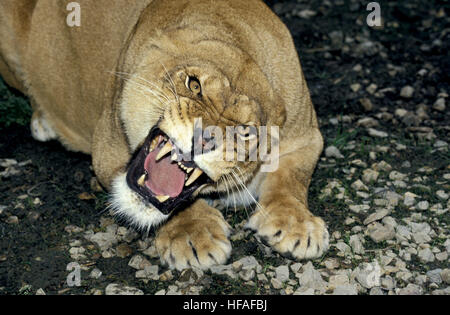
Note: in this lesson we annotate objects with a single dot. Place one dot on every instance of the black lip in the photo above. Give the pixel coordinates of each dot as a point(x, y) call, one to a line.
point(136, 169)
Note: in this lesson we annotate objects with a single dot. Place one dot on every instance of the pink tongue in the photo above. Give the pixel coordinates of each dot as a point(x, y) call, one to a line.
point(165, 177)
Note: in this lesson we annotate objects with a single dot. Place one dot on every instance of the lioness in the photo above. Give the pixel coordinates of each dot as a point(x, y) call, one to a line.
point(127, 86)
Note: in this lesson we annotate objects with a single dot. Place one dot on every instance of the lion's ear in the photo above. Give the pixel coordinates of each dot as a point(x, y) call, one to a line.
point(110, 151)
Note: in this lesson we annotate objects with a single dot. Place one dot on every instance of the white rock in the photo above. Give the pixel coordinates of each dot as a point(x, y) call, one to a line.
point(377, 133)
point(423, 205)
point(445, 275)
point(369, 176)
point(411, 289)
point(95, 273)
point(282, 273)
point(442, 195)
point(409, 199)
point(117, 289)
point(439, 105)
point(426, 255)
point(378, 215)
point(407, 91)
point(379, 232)
point(311, 278)
point(349, 289)
point(359, 186)
point(356, 244)
point(138, 262)
point(149, 272)
point(394, 175)
point(333, 152)
point(359, 208)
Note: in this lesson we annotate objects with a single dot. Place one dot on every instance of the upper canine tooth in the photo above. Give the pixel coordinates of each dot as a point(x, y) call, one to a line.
point(166, 149)
point(162, 198)
point(189, 170)
point(174, 157)
point(141, 181)
point(197, 173)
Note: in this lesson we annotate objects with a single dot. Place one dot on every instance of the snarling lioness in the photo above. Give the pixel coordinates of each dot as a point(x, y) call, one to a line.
point(127, 86)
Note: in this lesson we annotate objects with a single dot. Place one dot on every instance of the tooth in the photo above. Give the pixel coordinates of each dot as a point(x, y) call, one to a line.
point(141, 181)
point(162, 198)
point(189, 170)
point(166, 149)
point(197, 173)
point(174, 157)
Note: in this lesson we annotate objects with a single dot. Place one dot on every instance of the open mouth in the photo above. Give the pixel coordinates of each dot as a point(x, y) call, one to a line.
point(160, 176)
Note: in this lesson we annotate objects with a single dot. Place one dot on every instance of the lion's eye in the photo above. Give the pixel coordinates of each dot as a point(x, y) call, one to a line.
point(247, 132)
point(193, 84)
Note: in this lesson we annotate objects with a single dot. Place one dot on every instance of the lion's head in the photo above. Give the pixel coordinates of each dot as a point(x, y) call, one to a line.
point(199, 126)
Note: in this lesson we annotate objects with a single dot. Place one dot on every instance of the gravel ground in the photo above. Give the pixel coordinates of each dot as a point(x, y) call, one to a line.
point(382, 184)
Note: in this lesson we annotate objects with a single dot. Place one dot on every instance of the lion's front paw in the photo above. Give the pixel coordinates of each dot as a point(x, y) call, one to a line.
point(194, 240)
point(293, 232)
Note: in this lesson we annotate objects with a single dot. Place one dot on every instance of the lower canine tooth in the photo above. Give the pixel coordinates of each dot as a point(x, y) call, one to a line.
point(141, 181)
point(196, 174)
point(162, 198)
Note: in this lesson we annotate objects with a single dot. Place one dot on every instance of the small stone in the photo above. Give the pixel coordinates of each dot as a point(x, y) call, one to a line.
point(355, 87)
point(439, 105)
point(295, 267)
point(331, 263)
point(407, 91)
point(150, 272)
point(104, 240)
point(161, 292)
point(378, 215)
point(366, 104)
point(40, 291)
point(445, 275)
point(377, 133)
point(394, 175)
point(333, 152)
point(359, 208)
point(442, 195)
point(434, 276)
point(349, 289)
point(367, 122)
point(342, 247)
point(359, 186)
point(409, 199)
point(138, 262)
point(379, 232)
point(166, 276)
point(356, 244)
point(423, 205)
point(304, 291)
point(376, 291)
point(95, 273)
point(282, 273)
point(247, 274)
point(311, 278)
point(276, 283)
point(12, 220)
point(117, 289)
point(368, 275)
point(411, 289)
point(77, 253)
point(123, 250)
point(443, 256)
point(369, 176)
point(426, 255)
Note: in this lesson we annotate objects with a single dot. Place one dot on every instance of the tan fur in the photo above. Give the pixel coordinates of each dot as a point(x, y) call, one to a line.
point(101, 87)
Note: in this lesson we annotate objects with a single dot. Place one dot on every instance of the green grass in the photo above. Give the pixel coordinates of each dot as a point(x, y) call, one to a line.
point(14, 108)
